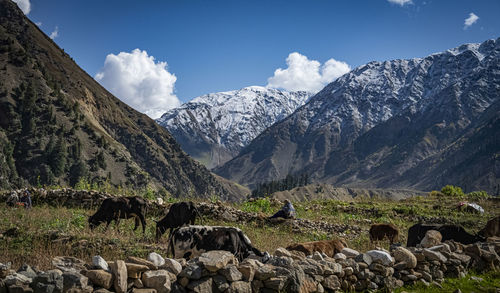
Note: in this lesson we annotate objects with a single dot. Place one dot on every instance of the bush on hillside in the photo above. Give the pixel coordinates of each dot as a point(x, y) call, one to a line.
point(453, 191)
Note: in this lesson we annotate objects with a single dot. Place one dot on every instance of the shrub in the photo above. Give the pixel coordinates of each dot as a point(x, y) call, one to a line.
point(453, 191)
point(257, 205)
point(477, 195)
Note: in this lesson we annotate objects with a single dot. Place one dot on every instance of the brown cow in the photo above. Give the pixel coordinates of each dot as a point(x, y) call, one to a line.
point(328, 247)
point(380, 231)
point(492, 228)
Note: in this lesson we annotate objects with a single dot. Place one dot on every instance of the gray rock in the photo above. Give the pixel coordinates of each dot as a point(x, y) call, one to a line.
point(331, 282)
point(75, 281)
point(27, 271)
point(247, 271)
point(364, 258)
point(17, 279)
point(434, 255)
point(220, 282)
point(443, 248)
point(100, 278)
point(402, 254)
point(192, 272)
point(350, 253)
point(48, 282)
point(68, 264)
point(20, 289)
point(158, 280)
point(99, 263)
point(201, 286)
point(281, 261)
point(240, 287)
point(381, 257)
point(141, 261)
point(119, 270)
point(231, 273)
point(265, 272)
point(432, 238)
point(339, 256)
point(217, 259)
point(275, 283)
point(172, 266)
point(156, 259)
point(280, 251)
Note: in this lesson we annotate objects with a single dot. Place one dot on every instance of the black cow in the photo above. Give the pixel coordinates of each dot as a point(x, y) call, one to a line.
point(449, 232)
point(116, 208)
point(191, 241)
point(179, 214)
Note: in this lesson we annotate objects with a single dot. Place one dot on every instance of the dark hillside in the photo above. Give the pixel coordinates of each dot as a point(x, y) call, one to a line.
point(59, 126)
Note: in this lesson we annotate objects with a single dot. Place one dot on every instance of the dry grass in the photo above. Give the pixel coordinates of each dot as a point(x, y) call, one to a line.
point(45, 232)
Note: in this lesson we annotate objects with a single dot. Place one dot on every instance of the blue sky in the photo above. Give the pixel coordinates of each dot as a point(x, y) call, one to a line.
point(213, 45)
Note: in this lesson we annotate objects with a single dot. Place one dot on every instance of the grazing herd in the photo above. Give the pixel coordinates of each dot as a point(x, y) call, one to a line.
point(191, 241)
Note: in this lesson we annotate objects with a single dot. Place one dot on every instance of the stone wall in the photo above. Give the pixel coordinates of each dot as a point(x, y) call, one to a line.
point(286, 271)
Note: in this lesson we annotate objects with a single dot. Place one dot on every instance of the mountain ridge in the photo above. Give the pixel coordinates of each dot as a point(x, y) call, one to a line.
point(324, 138)
point(214, 127)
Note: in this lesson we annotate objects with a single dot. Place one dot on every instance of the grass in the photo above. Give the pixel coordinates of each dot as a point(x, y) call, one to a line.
point(473, 282)
point(45, 231)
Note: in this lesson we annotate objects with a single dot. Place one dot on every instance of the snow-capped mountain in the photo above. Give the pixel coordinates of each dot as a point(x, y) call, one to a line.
point(400, 123)
point(213, 128)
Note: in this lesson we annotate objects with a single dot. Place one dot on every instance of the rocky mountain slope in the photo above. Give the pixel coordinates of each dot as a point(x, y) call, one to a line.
point(213, 128)
point(419, 123)
point(59, 126)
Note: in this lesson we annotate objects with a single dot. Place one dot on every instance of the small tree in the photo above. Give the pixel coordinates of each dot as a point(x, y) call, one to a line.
point(454, 191)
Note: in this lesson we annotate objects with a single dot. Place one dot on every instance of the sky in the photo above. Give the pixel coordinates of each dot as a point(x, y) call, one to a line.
point(157, 54)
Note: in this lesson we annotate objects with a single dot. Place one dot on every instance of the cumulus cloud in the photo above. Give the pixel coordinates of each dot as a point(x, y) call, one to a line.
point(470, 20)
point(401, 2)
point(140, 82)
point(25, 5)
point(55, 33)
point(303, 74)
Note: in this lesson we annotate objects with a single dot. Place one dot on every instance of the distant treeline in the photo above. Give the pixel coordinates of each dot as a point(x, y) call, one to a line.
point(287, 183)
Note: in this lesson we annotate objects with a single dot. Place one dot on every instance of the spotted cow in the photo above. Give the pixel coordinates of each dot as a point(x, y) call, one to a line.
point(191, 241)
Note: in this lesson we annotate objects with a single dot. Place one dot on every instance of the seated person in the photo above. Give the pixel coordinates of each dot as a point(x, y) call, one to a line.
point(26, 199)
point(287, 211)
point(13, 199)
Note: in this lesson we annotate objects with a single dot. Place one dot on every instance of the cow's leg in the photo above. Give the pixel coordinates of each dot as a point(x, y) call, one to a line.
point(143, 222)
point(136, 220)
point(107, 224)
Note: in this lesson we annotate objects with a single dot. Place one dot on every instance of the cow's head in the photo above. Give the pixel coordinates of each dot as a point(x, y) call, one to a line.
point(93, 222)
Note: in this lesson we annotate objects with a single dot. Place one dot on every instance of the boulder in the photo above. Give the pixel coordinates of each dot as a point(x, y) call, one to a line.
point(231, 273)
point(119, 270)
point(134, 271)
point(17, 279)
point(381, 257)
point(201, 286)
point(247, 271)
point(275, 283)
point(100, 278)
point(48, 282)
point(68, 264)
point(27, 271)
point(4, 269)
point(217, 259)
point(99, 263)
point(172, 266)
point(402, 254)
point(364, 258)
point(331, 282)
point(432, 238)
point(156, 259)
point(434, 255)
point(141, 261)
point(339, 256)
point(158, 280)
point(280, 251)
point(265, 272)
point(75, 282)
point(192, 271)
point(350, 253)
point(240, 287)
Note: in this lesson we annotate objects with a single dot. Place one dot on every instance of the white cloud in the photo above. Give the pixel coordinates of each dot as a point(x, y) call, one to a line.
point(303, 74)
point(470, 20)
point(401, 2)
point(55, 33)
point(25, 5)
point(38, 23)
point(140, 82)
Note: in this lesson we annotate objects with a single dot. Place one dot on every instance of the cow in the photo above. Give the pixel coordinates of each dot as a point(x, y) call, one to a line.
point(492, 228)
point(381, 231)
point(449, 232)
point(191, 241)
point(179, 214)
point(116, 208)
point(328, 247)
